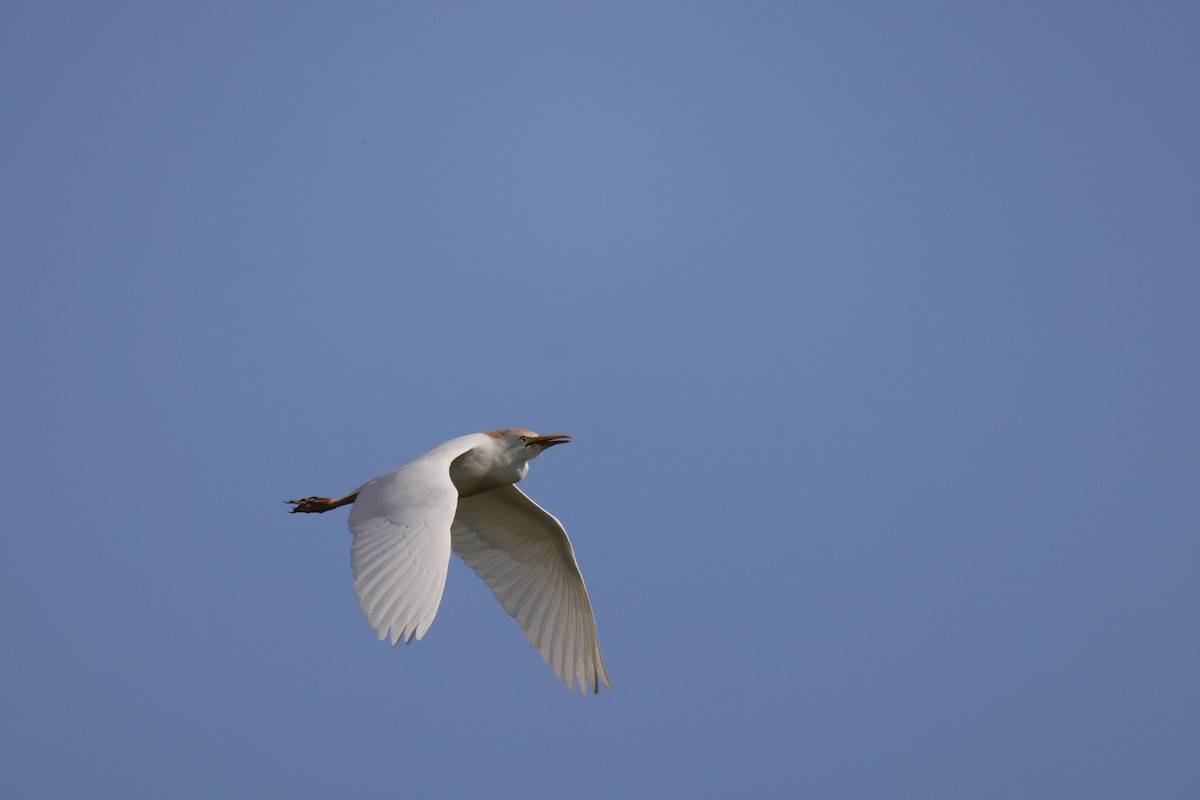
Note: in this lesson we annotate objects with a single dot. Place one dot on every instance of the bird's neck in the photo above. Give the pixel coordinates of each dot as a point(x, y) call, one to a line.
point(479, 470)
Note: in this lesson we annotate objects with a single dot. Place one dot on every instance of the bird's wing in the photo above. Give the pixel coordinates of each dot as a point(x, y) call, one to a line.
point(524, 555)
point(401, 526)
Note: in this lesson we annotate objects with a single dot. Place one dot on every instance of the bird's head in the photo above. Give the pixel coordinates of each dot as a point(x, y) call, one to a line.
point(524, 445)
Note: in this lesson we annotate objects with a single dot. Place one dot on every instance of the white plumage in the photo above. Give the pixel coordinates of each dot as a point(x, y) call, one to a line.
point(460, 496)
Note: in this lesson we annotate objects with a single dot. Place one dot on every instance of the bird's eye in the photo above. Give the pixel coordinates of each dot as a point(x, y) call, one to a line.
point(524, 438)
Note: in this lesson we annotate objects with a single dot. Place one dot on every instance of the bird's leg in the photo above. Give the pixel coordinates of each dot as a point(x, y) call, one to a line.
point(319, 505)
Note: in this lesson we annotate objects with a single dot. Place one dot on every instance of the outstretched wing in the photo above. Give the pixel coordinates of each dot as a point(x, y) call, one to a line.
point(524, 555)
point(401, 526)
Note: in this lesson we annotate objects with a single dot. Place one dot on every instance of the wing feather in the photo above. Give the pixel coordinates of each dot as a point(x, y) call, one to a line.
point(523, 554)
point(401, 527)
point(543, 619)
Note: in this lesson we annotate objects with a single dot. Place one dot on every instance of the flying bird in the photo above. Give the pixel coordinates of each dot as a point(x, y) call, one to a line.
point(461, 496)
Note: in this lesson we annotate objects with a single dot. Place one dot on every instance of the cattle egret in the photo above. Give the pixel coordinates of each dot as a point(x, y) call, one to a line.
point(461, 496)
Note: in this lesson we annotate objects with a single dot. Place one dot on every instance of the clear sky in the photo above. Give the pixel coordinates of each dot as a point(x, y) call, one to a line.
point(875, 325)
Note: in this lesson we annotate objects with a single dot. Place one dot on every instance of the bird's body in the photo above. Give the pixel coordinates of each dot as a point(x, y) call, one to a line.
point(461, 496)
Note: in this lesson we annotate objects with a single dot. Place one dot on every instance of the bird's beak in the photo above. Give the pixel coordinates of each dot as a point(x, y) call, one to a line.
point(549, 440)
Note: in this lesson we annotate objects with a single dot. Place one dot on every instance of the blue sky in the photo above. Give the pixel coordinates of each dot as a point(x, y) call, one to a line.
point(875, 325)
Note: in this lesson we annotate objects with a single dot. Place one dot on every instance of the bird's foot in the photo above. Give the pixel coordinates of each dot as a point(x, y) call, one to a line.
point(313, 505)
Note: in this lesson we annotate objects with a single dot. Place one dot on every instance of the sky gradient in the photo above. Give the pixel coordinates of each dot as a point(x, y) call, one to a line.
point(875, 326)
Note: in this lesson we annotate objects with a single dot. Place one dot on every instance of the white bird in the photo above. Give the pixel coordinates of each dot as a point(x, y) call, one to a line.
point(461, 496)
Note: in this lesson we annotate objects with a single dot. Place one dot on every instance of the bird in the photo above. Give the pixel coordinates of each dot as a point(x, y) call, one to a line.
point(461, 496)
